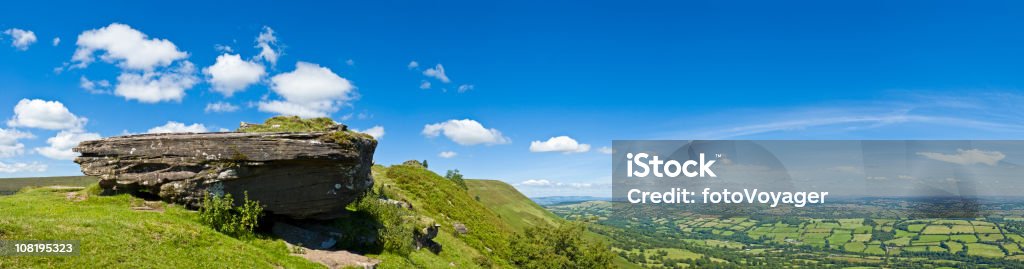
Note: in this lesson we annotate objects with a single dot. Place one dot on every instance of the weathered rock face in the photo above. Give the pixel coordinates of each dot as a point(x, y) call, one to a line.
point(300, 175)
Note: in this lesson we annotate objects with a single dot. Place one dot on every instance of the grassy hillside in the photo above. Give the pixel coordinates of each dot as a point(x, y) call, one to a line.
point(13, 185)
point(113, 235)
point(514, 207)
point(439, 199)
point(521, 212)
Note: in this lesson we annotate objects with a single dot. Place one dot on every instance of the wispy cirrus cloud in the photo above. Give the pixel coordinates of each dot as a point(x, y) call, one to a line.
point(921, 115)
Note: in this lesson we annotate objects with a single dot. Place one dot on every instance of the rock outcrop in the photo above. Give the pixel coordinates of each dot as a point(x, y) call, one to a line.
point(302, 175)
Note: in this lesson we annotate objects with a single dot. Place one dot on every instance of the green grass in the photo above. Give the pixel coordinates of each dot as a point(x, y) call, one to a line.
point(13, 185)
point(519, 211)
point(984, 250)
point(446, 203)
point(114, 236)
point(966, 238)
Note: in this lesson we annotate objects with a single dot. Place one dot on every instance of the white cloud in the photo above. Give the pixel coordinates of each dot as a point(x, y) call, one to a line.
point(413, 65)
point(309, 91)
point(9, 145)
point(127, 47)
point(605, 150)
point(157, 86)
point(50, 115)
point(437, 72)
point(350, 62)
point(548, 183)
point(466, 87)
point(231, 74)
point(147, 74)
point(425, 85)
point(447, 154)
point(563, 144)
point(223, 48)
point(967, 157)
point(177, 127)
point(21, 39)
point(56, 41)
point(846, 169)
point(22, 167)
point(267, 43)
point(376, 131)
point(465, 132)
point(61, 144)
point(220, 107)
point(94, 87)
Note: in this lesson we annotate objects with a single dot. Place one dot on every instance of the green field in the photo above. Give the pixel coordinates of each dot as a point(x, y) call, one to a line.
point(12, 185)
point(113, 235)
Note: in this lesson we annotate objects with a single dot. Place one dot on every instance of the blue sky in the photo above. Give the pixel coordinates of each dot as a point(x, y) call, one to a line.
point(591, 71)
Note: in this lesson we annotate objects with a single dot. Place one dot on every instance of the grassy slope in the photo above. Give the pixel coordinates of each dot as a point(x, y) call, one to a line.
point(520, 212)
point(440, 199)
point(114, 236)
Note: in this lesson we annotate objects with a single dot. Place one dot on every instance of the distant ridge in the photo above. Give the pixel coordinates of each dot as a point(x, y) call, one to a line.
point(554, 200)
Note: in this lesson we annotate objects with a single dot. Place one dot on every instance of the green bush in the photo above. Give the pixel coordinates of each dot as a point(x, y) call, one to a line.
point(559, 247)
point(220, 213)
point(395, 232)
point(456, 177)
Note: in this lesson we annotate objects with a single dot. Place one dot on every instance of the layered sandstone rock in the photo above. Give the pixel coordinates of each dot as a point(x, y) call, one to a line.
point(297, 174)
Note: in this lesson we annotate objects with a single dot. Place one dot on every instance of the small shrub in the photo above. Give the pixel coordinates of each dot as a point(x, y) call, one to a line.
point(220, 213)
point(456, 177)
point(395, 232)
point(559, 247)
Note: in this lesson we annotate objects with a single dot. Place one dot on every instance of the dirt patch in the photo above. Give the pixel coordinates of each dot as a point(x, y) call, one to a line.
point(75, 196)
point(148, 206)
point(334, 259)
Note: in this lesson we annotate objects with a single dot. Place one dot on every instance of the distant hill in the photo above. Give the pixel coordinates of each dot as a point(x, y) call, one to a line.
point(520, 212)
point(554, 200)
point(12, 185)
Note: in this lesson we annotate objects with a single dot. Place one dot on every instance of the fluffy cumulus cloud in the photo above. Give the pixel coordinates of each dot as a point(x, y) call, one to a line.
point(177, 127)
point(465, 132)
point(605, 150)
point(125, 46)
point(376, 131)
point(967, 157)
point(21, 39)
point(60, 145)
point(9, 144)
point(548, 183)
point(447, 154)
point(425, 85)
point(309, 91)
point(437, 72)
point(153, 87)
point(148, 70)
point(220, 107)
point(50, 115)
point(267, 43)
point(563, 144)
point(56, 41)
point(22, 167)
point(413, 65)
point(231, 74)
